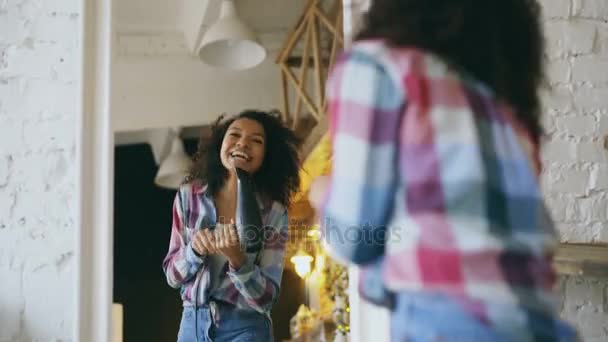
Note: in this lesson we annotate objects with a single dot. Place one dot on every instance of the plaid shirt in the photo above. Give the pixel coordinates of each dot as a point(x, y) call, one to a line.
point(434, 184)
point(254, 286)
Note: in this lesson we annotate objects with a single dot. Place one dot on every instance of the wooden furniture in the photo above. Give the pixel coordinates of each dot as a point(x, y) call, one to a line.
point(305, 60)
point(589, 260)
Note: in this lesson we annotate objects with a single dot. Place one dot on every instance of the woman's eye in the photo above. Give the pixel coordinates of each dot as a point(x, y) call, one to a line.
point(258, 141)
point(236, 135)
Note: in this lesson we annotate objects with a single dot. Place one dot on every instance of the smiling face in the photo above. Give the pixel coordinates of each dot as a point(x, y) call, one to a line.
point(244, 145)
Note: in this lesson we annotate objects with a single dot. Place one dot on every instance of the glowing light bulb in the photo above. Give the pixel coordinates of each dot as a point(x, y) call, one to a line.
point(302, 261)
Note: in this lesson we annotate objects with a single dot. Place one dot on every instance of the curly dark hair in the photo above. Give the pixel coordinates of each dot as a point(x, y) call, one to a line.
point(498, 42)
point(278, 177)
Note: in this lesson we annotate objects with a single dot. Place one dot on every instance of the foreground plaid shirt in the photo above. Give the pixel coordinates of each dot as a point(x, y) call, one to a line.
point(254, 286)
point(434, 184)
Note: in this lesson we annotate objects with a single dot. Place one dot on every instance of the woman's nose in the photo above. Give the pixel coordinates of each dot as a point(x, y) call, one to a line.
point(242, 143)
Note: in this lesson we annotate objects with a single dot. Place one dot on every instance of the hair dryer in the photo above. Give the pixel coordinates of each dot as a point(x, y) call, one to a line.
point(248, 218)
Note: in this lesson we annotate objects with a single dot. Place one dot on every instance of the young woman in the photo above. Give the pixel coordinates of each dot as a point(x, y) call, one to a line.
point(228, 293)
point(435, 120)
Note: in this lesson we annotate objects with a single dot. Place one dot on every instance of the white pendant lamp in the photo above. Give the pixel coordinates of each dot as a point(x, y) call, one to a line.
point(229, 43)
point(174, 167)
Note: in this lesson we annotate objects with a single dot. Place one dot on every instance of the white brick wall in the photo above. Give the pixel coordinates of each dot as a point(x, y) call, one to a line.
point(595, 9)
point(574, 36)
point(39, 49)
point(575, 157)
point(576, 109)
point(592, 70)
point(557, 8)
point(585, 303)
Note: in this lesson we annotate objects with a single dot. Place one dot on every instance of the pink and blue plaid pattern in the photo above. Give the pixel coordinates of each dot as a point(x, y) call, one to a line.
point(255, 286)
point(434, 184)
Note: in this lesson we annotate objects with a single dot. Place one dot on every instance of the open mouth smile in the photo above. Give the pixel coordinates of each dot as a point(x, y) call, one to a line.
point(239, 155)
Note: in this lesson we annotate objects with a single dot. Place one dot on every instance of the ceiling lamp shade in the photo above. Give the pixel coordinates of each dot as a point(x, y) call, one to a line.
point(174, 167)
point(229, 43)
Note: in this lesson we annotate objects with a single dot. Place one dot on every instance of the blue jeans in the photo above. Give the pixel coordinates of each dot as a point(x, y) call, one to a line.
point(419, 317)
point(226, 325)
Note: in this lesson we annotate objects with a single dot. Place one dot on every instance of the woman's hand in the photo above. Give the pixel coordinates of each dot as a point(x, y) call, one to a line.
point(227, 243)
point(203, 242)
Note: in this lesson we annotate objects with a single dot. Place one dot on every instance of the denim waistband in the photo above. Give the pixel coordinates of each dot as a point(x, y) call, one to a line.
point(218, 311)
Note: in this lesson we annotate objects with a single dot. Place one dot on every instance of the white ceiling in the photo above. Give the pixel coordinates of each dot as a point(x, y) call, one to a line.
point(147, 15)
point(164, 15)
point(270, 15)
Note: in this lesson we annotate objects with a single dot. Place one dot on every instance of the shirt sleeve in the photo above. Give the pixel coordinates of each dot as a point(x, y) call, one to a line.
point(372, 287)
point(365, 106)
point(260, 284)
point(181, 262)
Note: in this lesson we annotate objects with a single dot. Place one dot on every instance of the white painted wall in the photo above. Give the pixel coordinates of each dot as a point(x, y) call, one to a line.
point(39, 54)
point(148, 15)
point(157, 84)
point(576, 161)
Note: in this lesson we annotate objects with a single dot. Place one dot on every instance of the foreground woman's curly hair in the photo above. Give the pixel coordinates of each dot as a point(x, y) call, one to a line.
point(498, 42)
point(278, 177)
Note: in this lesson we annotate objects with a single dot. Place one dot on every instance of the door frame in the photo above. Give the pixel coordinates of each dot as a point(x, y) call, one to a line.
point(94, 184)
